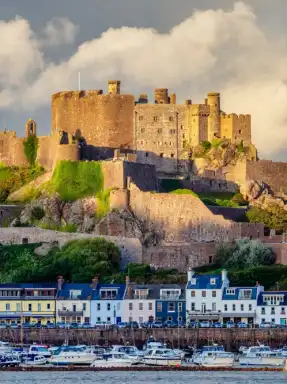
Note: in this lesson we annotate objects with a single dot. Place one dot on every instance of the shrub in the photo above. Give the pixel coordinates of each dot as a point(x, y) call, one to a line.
point(276, 218)
point(184, 192)
point(206, 145)
point(240, 147)
point(71, 228)
point(30, 149)
point(216, 143)
point(238, 199)
point(37, 213)
point(103, 203)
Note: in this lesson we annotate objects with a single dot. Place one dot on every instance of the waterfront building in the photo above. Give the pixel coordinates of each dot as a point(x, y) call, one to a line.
point(170, 302)
point(73, 302)
point(107, 302)
point(27, 303)
point(204, 296)
point(139, 302)
point(272, 307)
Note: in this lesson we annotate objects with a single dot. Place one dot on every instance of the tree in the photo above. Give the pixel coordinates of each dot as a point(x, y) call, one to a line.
point(30, 149)
point(273, 218)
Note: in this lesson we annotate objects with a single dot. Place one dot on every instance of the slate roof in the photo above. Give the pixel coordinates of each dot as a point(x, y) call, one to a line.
point(203, 282)
point(266, 293)
point(226, 296)
point(85, 288)
point(154, 290)
point(120, 295)
point(28, 286)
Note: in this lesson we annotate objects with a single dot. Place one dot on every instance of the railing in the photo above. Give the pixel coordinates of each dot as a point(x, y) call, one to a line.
point(70, 313)
point(169, 297)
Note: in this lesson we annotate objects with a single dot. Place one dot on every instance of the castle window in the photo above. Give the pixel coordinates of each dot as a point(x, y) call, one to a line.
point(155, 118)
point(161, 155)
point(140, 118)
point(172, 155)
point(146, 154)
point(181, 127)
point(183, 136)
point(170, 118)
point(159, 130)
point(239, 131)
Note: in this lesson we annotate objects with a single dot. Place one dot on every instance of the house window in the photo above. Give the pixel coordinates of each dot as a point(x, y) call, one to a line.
point(140, 320)
point(172, 155)
point(250, 307)
point(192, 294)
point(272, 311)
point(98, 319)
point(193, 306)
point(171, 307)
point(84, 306)
point(140, 118)
point(203, 293)
point(213, 307)
point(242, 307)
point(225, 307)
point(180, 307)
point(140, 306)
point(213, 293)
point(212, 281)
point(39, 307)
point(170, 118)
point(233, 307)
point(169, 318)
point(98, 306)
point(29, 307)
point(18, 307)
point(108, 307)
point(7, 307)
point(150, 306)
point(108, 319)
point(159, 307)
point(262, 311)
point(172, 131)
point(210, 260)
point(130, 306)
point(273, 321)
point(48, 307)
point(155, 118)
point(230, 291)
point(161, 155)
point(283, 311)
point(74, 308)
point(245, 294)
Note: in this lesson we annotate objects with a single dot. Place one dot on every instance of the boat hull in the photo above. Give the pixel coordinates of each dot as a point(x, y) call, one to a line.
point(162, 362)
point(112, 363)
point(62, 360)
point(262, 361)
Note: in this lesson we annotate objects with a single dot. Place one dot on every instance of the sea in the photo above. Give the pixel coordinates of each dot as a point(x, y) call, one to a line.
point(142, 377)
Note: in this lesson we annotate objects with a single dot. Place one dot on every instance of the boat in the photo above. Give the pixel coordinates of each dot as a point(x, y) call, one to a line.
point(284, 351)
point(69, 355)
point(114, 359)
point(39, 350)
point(162, 357)
point(151, 344)
point(129, 350)
point(261, 355)
point(34, 360)
point(9, 360)
point(214, 356)
point(5, 347)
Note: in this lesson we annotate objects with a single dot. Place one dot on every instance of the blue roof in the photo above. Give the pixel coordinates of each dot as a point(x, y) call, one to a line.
point(120, 294)
point(28, 285)
point(235, 296)
point(277, 293)
point(85, 289)
point(203, 282)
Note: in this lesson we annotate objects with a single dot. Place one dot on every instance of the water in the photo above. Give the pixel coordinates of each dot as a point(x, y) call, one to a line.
point(142, 377)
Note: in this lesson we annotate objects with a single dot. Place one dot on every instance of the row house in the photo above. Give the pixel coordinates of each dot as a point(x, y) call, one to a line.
point(27, 303)
point(170, 303)
point(272, 307)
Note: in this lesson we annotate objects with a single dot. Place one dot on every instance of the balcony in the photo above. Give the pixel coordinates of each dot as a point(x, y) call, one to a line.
point(70, 313)
point(207, 315)
point(169, 297)
point(27, 297)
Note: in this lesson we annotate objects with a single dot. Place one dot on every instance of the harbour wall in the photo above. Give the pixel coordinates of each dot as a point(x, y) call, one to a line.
point(232, 339)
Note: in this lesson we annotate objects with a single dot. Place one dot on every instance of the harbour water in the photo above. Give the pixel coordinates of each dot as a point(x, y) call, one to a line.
point(142, 377)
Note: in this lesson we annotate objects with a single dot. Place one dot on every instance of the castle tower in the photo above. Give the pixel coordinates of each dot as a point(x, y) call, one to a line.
point(114, 87)
point(213, 100)
point(31, 128)
point(161, 96)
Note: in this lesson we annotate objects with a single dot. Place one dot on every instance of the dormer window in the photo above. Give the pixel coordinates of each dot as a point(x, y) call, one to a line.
point(245, 294)
point(213, 281)
point(75, 294)
point(230, 291)
point(108, 294)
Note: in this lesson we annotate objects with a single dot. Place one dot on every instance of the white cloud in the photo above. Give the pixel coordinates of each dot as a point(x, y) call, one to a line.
point(224, 51)
point(59, 31)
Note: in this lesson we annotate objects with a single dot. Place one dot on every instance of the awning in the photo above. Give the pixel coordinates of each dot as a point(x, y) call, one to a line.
point(239, 314)
point(203, 316)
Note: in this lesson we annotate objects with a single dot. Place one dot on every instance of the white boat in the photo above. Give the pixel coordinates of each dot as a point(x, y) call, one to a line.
point(129, 350)
point(261, 355)
point(284, 351)
point(34, 360)
point(5, 347)
point(114, 359)
point(151, 344)
point(214, 356)
point(9, 360)
point(162, 357)
point(39, 350)
point(69, 355)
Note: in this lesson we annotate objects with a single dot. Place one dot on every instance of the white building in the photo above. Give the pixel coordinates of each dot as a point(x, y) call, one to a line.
point(272, 308)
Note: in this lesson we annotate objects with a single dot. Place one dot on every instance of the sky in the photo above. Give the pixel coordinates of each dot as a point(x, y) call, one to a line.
point(237, 48)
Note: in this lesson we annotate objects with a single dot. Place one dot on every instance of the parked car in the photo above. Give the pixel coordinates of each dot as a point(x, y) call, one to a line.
point(205, 324)
point(50, 325)
point(180, 324)
point(133, 324)
point(192, 324)
point(169, 324)
point(146, 324)
point(230, 324)
point(2, 325)
point(61, 325)
point(26, 325)
point(242, 324)
point(218, 324)
point(122, 324)
point(103, 325)
point(265, 325)
point(86, 325)
point(157, 324)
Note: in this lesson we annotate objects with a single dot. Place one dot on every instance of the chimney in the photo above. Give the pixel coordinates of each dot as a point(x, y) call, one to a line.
point(257, 284)
point(127, 281)
point(224, 275)
point(189, 275)
point(60, 282)
point(95, 282)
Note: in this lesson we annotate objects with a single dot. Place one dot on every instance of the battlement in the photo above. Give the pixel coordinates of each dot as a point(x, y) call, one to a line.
point(200, 110)
point(10, 134)
point(233, 116)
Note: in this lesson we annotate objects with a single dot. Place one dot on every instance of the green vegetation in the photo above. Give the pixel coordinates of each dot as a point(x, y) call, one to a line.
point(31, 145)
point(38, 213)
point(184, 192)
point(74, 180)
point(206, 145)
point(216, 143)
point(169, 185)
point(103, 203)
point(240, 147)
point(13, 178)
point(223, 199)
point(274, 218)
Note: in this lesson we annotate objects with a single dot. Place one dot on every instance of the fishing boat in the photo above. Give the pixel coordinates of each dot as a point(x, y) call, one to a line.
point(214, 356)
point(162, 357)
point(69, 355)
point(114, 359)
point(34, 360)
point(261, 355)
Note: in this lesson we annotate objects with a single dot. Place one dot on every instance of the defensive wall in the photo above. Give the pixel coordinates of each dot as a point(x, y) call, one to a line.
point(231, 338)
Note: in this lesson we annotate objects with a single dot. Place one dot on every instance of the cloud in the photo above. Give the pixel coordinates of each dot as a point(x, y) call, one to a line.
point(59, 31)
point(212, 50)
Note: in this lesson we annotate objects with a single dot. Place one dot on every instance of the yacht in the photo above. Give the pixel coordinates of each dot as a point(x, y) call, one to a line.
point(33, 360)
point(114, 359)
point(162, 357)
point(68, 355)
point(261, 355)
point(214, 356)
point(8, 360)
point(5, 347)
point(39, 350)
point(151, 344)
point(129, 350)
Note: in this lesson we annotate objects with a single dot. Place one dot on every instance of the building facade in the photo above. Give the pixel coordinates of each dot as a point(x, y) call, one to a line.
point(170, 303)
point(272, 307)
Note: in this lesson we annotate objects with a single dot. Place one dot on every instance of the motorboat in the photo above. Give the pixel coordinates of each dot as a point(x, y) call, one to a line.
point(34, 360)
point(261, 355)
point(69, 355)
point(129, 350)
point(214, 356)
point(9, 360)
point(151, 344)
point(39, 350)
point(284, 351)
point(162, 357)
point(5, 347)
point(114, 359)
